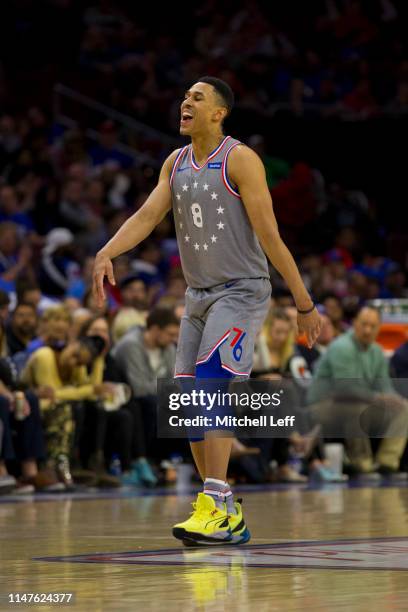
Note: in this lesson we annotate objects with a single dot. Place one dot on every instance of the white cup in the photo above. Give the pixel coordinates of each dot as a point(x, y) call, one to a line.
point(121, 395)
point(184, 474)
point(334, 454)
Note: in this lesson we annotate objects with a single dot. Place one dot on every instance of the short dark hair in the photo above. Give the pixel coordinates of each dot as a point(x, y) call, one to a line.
point(223, 90)
point(367, 307)
point(23, 285)
point(24, 305)
point(86, 325)
point(161, 317)
point(130, 278)
point(94, 344)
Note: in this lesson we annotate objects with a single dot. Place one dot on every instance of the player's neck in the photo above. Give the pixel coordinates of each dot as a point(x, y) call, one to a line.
point(204, 145)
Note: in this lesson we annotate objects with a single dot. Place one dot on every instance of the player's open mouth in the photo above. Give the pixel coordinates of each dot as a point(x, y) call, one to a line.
point(186, 118)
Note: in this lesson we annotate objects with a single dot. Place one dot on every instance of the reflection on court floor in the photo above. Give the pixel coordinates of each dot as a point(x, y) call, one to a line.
point(324, 548)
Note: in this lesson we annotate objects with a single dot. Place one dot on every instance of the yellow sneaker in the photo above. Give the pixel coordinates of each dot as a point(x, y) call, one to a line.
point(207, 524)
point(239, 531)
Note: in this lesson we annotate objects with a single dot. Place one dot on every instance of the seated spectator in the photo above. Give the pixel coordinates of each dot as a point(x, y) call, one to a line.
point(278, 356)
point(29, 292)
point(61, 378)
point(399, 361)
point(352, 378)
point(10, 209)
point(77, 216)
point(74, 214)
point(273, 353)
point(277, 352)
point(79, 318)
point(55, 323)
point(4, 313)
point(14, 258)
point(22, 328)
point(134, 310)
point(120, 431)
point(146, 265)
point(10, 139)
point(53, 331)
point(58, 266)
point(79, 286)
point(399, 371)
point(143, 356)
point(395, 283)
point(7, 482)
point(108, 148)
point(334, 310)
point(125, 320)
point(21, 438)
point(133, 293)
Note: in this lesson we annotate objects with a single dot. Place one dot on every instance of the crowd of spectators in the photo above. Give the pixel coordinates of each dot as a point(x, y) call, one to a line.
point(63, 195)
point(325, 59)
point(80, 408)
point(330, 58)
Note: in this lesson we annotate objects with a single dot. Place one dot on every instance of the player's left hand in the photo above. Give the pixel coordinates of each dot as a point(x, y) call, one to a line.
point(310, 324)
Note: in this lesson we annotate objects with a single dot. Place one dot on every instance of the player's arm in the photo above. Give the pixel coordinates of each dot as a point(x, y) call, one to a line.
point(247, 171)
point(134, 230)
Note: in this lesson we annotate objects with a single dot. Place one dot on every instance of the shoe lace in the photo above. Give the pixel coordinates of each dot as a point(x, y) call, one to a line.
point(196, 511)
point(200, 512)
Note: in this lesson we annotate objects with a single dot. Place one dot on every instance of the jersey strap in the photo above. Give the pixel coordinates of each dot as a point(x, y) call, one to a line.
point(225, 173)
point(177, 162)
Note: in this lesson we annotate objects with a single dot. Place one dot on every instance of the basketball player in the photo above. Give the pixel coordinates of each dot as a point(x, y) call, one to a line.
point(224, 224)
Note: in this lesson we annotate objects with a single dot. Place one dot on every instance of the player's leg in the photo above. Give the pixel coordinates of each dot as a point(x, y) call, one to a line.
point(212, 378)
point(209, 522)
point(217, 452)
point(226, 351)
point(198, 452)
point(205, 526)
point(235, 320)
point(207, 519)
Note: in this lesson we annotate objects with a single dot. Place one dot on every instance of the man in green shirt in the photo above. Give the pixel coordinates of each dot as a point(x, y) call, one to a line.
point(351, 388)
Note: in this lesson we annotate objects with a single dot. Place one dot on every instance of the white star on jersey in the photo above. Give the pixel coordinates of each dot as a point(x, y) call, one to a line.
point(181, 225)
point(195, 184)
point(220, 225)
point(179, 209)
point(178, 196)
point(220, 210)
point(205, 246)
point(214, 195)
point(196, 246)
point(187, 238)
point(205, 187)
point(185, 187)
point(213, 238)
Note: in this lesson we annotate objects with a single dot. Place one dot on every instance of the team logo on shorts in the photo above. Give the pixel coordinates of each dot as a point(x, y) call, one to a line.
point(236, 343)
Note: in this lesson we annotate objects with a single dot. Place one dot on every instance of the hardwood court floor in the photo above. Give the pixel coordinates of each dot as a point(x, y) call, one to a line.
point(207, 579)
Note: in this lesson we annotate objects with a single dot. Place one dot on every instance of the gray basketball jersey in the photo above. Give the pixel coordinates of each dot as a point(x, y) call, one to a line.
point(216, 240)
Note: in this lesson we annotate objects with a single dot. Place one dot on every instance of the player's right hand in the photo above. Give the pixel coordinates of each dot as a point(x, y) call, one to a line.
point(102, 267)
point(311, 325)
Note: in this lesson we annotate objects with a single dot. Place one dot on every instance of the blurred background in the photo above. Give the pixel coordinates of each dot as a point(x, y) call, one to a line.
point(89, 109)
point(89, 100)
